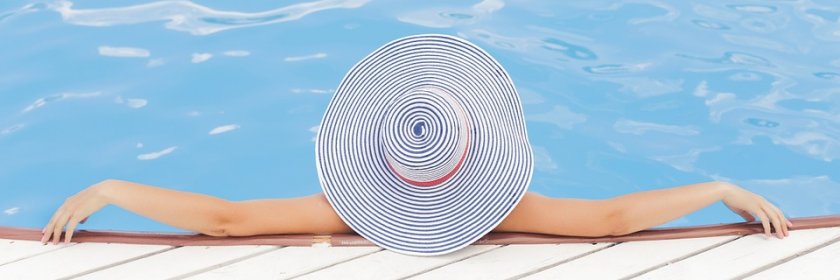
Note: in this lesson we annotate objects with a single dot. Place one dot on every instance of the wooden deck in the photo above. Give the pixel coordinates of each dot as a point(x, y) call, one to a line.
point(812, 251)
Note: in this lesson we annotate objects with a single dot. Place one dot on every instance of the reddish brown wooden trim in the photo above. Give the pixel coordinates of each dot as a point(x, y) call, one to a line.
point(494, 238)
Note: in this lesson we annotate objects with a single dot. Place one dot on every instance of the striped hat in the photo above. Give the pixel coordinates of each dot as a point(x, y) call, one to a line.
point(423, 148)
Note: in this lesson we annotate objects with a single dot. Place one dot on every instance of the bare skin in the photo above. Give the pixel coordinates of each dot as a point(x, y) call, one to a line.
point(535, 213)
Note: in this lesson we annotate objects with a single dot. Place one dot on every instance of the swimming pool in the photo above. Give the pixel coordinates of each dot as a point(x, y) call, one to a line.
point(225, 99)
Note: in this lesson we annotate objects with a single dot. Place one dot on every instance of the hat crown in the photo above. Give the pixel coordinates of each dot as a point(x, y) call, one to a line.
point(425, 136)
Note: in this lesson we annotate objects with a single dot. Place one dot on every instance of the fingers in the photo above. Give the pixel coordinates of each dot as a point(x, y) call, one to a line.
point(774, 219)
point(59, 226)
point(764, 221)
point(48, 230)
point(74, 211)
point(57, 222)
point(71, 227)
point(785, 222)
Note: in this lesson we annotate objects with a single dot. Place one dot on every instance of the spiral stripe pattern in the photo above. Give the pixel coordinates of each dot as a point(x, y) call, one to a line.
point(423, 148)
point(425, 136)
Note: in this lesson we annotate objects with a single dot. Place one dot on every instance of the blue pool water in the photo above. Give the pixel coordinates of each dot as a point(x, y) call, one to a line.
point(224, 98)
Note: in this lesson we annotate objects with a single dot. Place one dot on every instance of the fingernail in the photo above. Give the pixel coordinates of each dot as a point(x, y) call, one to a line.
point(44, 240)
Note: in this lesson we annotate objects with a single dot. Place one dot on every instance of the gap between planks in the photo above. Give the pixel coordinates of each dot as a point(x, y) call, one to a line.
point(789, 258)
point(334, 264)
point(564, 261)
point(226, 263)
point(679, 259)
point(452, 262)
point(36, 254)
point(83, 273)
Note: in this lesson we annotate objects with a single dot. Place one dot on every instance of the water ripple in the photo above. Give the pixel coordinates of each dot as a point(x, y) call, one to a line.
point(616, 68)
point(191, 17)
point(201, 57)
point(761, 122)
point(826, 15)
point(758, 25)
point(756, 42)
point(34, 7)
point(560, 116)
point(713, 12)
point(636, 127)
point(305, 57)
point(828, 75)
point(123, 51)
point(223, 129)
point(11, 129)
point(449, 17)
point(570, 50)
point(745, 76)
point(709, 24)
point(156, 155)
point(757, 9)
point(671, 13)
point(58, 97)
point(733, 58)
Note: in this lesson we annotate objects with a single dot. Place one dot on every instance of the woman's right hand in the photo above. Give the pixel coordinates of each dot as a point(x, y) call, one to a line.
point(75, 210)
point(750, 205)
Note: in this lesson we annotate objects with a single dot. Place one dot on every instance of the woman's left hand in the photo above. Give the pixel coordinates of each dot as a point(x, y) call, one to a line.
point(750, 205)
point(75, 210)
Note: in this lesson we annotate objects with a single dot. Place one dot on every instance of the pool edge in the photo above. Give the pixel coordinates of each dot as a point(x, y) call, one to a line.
point(493, 238)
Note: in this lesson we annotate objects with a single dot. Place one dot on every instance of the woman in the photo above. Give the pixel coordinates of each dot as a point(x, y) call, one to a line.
point(313, 214)
point(422, 150)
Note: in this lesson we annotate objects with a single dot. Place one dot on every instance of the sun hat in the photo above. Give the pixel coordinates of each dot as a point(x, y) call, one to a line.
point(423, 148)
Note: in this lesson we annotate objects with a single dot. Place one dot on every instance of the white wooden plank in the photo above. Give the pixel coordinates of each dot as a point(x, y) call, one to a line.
point(628, 258)
point(824, 263)
point(13, 250)
point(73, 259)
point(742, 256)
point(511, 261)
point(390, 265)
point(286, 263)
point(178, 262)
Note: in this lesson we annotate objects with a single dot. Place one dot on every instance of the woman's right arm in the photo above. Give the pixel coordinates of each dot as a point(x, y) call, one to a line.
point(198, 212)
point(186, 210)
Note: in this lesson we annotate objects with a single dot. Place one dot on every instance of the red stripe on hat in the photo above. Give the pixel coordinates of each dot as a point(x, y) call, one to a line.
point(442, 178)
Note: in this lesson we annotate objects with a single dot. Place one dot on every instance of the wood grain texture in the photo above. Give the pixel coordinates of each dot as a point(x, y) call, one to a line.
point(178, 262)
point(74, 259)
point(823, 263)
point(286, 263)
point(629, 258)
point(14, 250)
point(741, 256)
point(511, 260)
point(391, 265)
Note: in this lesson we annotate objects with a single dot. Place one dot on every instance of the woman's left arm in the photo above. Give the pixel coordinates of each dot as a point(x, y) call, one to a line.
point(633, 212)
point(642, 210)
